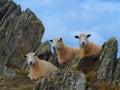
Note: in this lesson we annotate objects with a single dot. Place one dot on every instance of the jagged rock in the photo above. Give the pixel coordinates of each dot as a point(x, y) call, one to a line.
point(65, 79)
point(53, 58)
point(108, 60)
point(20, 33)
point(2, 2)
point(99, 71)
point(116, 75)
point(71, 80)
point(44, 51)
point(88, 64)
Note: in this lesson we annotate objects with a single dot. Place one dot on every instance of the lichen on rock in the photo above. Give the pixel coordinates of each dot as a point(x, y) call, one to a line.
point(20, 33)
point(70, 80)
point(108, 61)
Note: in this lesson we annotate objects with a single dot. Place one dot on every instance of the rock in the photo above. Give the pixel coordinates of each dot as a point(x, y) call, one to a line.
point(108, 60)
point(87, 64)
point(107, 76)
point(65, 79)
point(71, 80)
point(99, 72)
point(20, 33)
point(3, 2)
point(116, 75)
point(74, 81)
point(44, 51)
point(53, 59)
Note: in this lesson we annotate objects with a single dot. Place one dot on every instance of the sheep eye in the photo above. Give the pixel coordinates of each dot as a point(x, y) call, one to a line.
point(51, 40)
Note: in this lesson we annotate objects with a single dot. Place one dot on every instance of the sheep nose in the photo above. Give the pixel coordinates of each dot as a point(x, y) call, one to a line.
point(30, 63)
point(83, 43)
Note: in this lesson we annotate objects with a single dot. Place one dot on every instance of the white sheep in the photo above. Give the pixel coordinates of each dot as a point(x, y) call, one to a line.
point(87, 48)
point(39, 68)
point(64, 53)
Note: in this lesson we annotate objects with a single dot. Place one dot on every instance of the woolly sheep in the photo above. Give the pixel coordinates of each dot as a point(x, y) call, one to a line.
point(87, 48)
point(64, 53)
point(38, 68)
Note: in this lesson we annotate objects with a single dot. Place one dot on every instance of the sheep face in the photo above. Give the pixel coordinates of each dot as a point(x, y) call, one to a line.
point(83, 39)
point(30, 58)
point(57, 43)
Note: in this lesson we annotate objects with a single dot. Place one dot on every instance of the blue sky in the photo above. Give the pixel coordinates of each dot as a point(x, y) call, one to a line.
point(66, 18)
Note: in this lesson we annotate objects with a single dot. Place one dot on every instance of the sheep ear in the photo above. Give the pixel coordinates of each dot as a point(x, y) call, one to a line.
point(88, 35)
point(76, 36)
point(60, 39)
point(51, 40)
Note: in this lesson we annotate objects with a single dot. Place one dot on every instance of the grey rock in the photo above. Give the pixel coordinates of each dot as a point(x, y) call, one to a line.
point(44, 51)
point(71, 80)
point(105, 66)
point(20, 33)
point(68, 79)
point(87, 64)
point(108, 60)
point(116, 75)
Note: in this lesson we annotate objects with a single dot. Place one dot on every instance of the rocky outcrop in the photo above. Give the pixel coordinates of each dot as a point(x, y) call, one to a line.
point(89, 73)
point(87, 64)
point(63, 80)
point(116, 75)
point(20, 33)
point(108, 61)
point(44, 51)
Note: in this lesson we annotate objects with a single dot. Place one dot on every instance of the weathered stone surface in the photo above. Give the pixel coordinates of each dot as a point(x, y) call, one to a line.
point(71, 80)
point(101, 72)
point(65, 79)
point(20, 33)
point(44, 51)
point(87, 64)
point(116, 75)
point(108, 60)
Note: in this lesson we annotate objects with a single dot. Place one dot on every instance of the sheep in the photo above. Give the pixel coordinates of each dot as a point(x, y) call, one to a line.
point(87, 48)
point(38, 68)
point(64, 53)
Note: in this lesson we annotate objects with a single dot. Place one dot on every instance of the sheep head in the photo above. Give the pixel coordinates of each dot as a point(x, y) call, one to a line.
point(57, 43)
point(83, 39)
point(30, 58)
